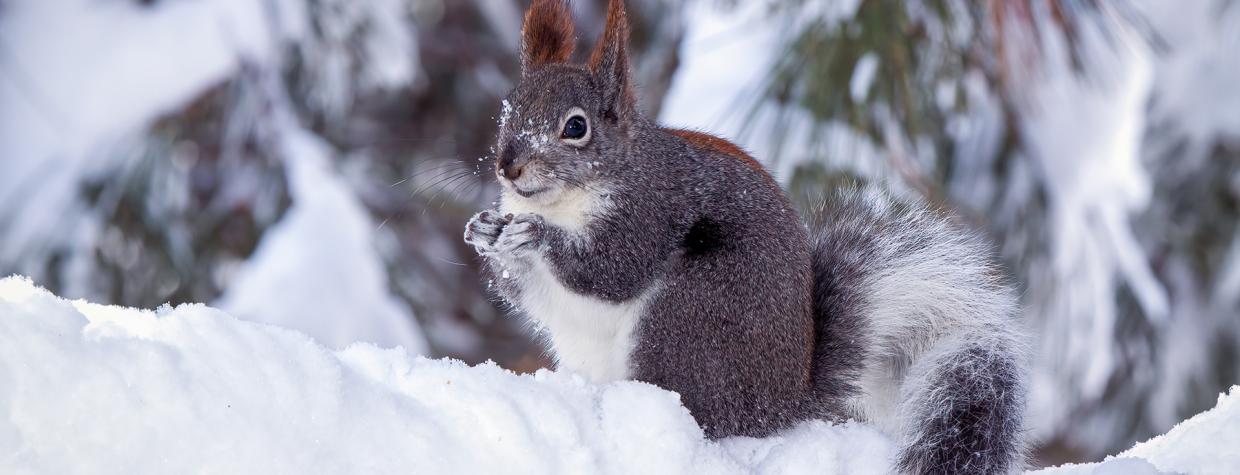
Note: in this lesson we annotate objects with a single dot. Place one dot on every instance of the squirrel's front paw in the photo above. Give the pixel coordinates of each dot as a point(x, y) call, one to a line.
point(483, 231)
point(523, 233)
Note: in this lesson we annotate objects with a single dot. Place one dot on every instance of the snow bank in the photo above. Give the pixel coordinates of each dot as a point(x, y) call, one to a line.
point(93, 388)
point(1205, 444)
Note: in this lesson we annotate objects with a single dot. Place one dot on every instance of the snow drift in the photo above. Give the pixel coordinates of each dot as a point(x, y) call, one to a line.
point(88, 388)
point(94, 388)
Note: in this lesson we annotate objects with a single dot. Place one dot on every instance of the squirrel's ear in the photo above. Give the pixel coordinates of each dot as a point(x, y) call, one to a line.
point(547, 35)
point(609, 63)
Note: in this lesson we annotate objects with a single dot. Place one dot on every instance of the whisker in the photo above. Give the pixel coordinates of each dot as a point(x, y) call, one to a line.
point(400, 140)
point(448, 183)
point(440, 178)
point(434, 172)
point(448, 261)
point(454, 189)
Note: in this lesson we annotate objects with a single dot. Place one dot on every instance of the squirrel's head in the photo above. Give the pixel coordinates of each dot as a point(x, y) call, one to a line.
point(565, 125)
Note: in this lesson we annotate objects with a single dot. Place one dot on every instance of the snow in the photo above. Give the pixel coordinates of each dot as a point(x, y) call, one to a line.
point(1195, 79)
point(1193, 446)
point(69, 98)
point(92, 388)
point(321, 262)
point(743, 41)
point(90, 78)
point(82, 80)
point(104, 389)
point(1085, 140)
point(1205, 444)
point(716, 38)
point(1116, 466)
point(1094, 173)
point(863, 77)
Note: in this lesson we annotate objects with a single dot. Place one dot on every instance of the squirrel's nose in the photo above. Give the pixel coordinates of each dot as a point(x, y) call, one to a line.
point(511, 171)
point(508, 167)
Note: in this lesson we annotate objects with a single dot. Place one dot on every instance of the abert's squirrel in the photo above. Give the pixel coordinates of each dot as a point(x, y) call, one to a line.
point(672, 257)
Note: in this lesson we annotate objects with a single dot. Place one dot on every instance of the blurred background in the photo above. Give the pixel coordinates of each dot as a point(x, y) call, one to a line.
point(311, 163)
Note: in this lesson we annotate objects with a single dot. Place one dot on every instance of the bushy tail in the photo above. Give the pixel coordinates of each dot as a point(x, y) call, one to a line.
point(917, 334)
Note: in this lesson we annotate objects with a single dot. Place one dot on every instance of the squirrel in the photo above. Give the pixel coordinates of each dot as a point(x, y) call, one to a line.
point(672, 257)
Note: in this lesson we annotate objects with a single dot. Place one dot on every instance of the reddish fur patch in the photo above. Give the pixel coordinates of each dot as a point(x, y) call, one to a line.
point(705, 141)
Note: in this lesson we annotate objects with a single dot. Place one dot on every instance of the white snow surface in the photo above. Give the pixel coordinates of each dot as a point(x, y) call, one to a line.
point(104, 389)
point(86, 388)
point(1205, 444)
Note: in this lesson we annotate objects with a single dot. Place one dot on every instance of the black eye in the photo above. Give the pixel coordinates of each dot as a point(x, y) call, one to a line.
point(574, 127)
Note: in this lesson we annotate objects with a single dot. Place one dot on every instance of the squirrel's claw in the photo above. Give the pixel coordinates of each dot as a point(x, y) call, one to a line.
point(522, 234)
point(483, 230)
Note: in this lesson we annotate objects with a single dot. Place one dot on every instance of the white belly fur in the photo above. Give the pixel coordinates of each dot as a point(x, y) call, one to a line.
point(587, 335)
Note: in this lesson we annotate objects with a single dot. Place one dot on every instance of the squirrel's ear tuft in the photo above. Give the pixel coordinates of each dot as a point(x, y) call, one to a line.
point(547, 35)
point(609, 63)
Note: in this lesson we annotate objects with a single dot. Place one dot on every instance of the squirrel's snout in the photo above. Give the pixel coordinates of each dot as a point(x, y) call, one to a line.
point(507, 166)
point(510, 170)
